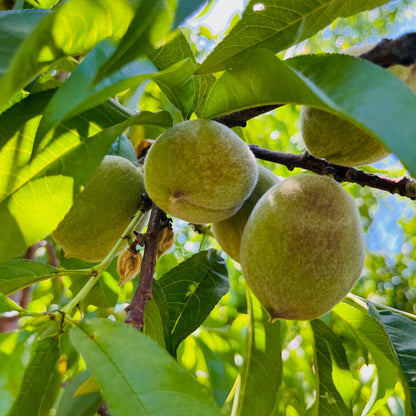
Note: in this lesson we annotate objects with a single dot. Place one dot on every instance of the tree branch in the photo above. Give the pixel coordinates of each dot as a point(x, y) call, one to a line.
point(403, 186)
point(143, 293)
point(400, 51)
point(386, 53)
point(103, 410)
point(52, 258)
point(240, 118)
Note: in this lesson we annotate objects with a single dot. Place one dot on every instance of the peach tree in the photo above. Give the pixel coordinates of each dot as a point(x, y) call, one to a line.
point(150, 315)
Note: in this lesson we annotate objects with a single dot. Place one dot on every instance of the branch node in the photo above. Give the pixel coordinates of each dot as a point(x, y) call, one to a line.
point(305, 156)
point(410, 187)
point(352, 175)
point(328, 170)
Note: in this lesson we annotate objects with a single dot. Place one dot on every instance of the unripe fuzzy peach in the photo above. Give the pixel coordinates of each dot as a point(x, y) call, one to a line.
point(336, 139)
point(229, 231)
point(200, 171)
point(303, 248)
point(102, 211)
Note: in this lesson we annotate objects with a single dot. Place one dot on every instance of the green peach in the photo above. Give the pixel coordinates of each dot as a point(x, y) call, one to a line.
point(336, 139)
point(303, 248)
point(199, 171)
point(228, 232)
point(102, 211)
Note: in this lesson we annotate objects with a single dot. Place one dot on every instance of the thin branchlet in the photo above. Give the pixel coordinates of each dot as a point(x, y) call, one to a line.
point(402, 186)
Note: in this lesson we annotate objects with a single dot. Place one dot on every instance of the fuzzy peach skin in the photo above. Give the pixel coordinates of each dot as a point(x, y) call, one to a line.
point(303, 248)
point(200, 171)
point(102, 211)
point(228, 232)
point(338, 141)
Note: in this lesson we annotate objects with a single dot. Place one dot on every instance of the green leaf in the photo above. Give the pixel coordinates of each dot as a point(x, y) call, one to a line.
point(15, 349)
point(19, 96)
point(71, 29)
point(335, 384)
point(42, 4)
point(206, 83)
point(402, 336)
point(184, 89)
point(89, 386)
point(51, 393)
point(123, 147)
point(185, 8)
point(178, 84)
point(372, 335)
point(36, 193)
point(216, 371)
point(138, 377)
point(152, 22)
point(174, 56)
point(343, 85)
point(41, 381)
point(20, 273)
point(279, 24)
point(79, 93)
point(159, 119)
point(143, 31)
point(104, 293)
point(8, 305)
point(15, 27)
point(174, 49)
point(156, 318)
point(192, 289)
point(246, 85)
point(261, 375)
point(153, 324)
point(83, 405)
point(109, 291)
